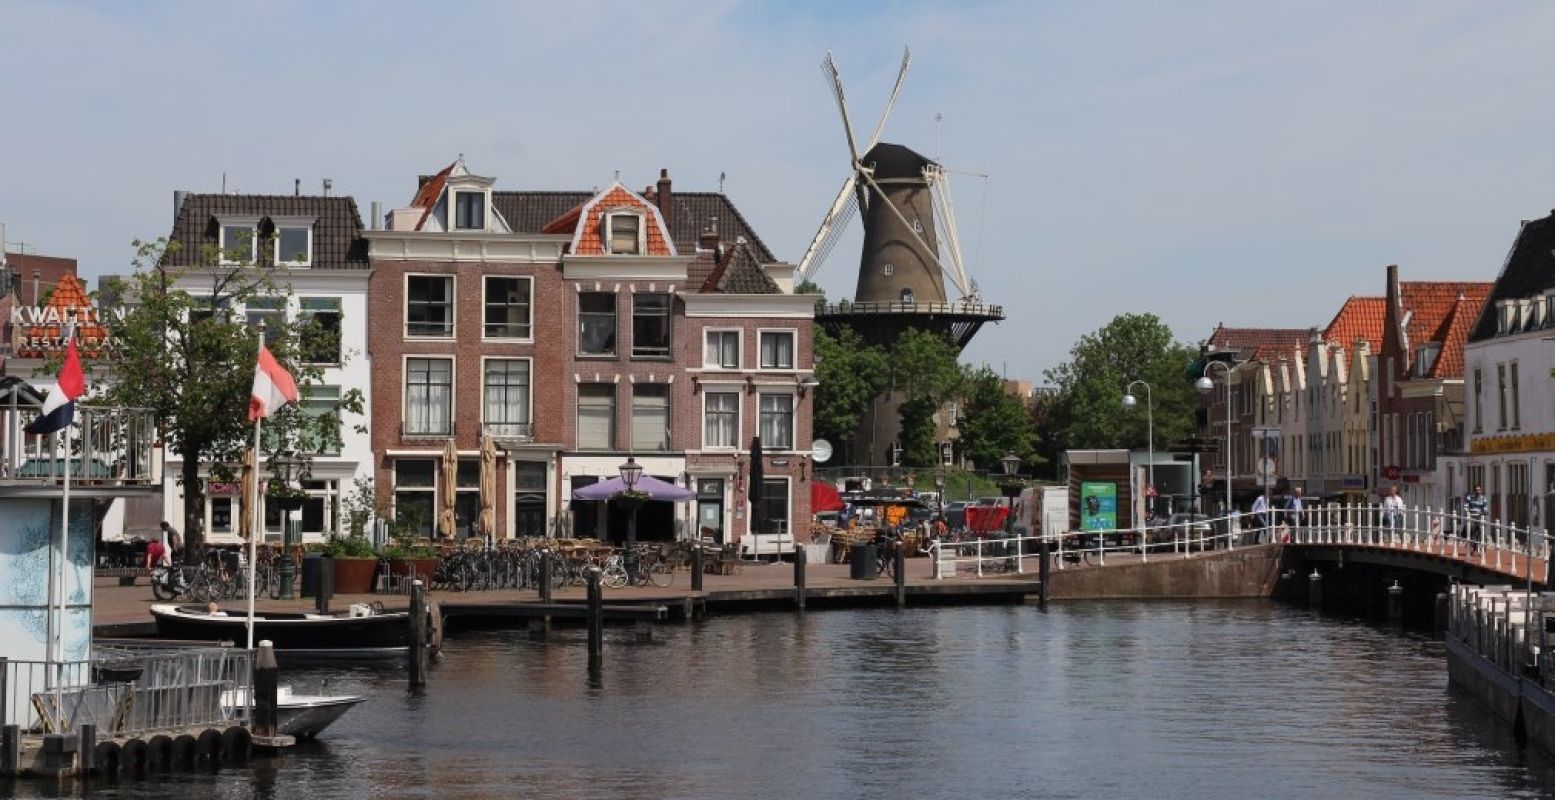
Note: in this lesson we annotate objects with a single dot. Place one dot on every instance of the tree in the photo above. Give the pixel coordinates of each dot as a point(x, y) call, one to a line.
point(851, 374)
point(1087, 411)
point(189, 358)
point(994, 422)
point(925, 371)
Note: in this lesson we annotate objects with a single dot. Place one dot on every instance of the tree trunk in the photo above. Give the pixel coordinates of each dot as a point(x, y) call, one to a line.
point(194, 504)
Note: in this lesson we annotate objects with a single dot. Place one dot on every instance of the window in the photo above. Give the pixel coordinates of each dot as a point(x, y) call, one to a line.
point(530, 490)
point(907, 297)
point(597, 323)
point(917, 226)
point(469, 211)
point(239, 242)
point(1479, 400)
point(777, 421)
point(1501, 395)
point(507, 308)
point(888, 270)
point(429, 305)
point(294, 245)
point(651, 325)
point(596, 416)
point(722, 350)
point(321, 436)
point(774, 501)
point(1517, 417)
point(622, 233)
point(429, 396)
point(269, 310)
point(321, 330)
point(777, 349)
point(650, 417)
point(506, 408)
point(221, 515)
point(415, 490)
point(467, 498)
point(720, 419)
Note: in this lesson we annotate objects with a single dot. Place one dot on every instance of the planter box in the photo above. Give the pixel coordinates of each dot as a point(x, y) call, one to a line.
point(424, 568)
point(355, 575)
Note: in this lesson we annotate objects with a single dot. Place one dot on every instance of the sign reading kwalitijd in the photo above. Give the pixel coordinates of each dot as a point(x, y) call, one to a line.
point(39, 331)
point(1098, 506)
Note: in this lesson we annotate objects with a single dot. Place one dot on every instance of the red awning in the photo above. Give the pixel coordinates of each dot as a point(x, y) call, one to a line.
point(985, 519)
point(824, 497)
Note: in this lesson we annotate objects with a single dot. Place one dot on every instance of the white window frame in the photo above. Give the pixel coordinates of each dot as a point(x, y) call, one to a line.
point(793, 420)
point(577, 327)
point(529, 401)
point(615, 414)
point(432, 490)
point(306, 315)
point(739, 348)
point(304, 224)
point(669, 418)
point(739, 417)
point(453, 210)
point(453, 393)
point(607, 230)
point(250, 222)
point(453, 307)
point(525, 339)
point(793, 334)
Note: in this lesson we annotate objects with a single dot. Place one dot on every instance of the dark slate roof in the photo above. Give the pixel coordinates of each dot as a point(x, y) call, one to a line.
point(690, 214)
point(740, 273)
point(1529, 271)
point(337, 231)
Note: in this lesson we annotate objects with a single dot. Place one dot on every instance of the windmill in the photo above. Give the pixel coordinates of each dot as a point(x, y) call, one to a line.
point(911, 244)
point(910, 247)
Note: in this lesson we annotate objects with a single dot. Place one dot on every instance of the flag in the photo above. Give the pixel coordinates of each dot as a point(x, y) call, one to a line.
point(60, 409)
point(273, 386)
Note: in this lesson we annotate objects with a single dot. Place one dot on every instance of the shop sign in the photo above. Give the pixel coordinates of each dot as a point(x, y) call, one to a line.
point(1522, 443)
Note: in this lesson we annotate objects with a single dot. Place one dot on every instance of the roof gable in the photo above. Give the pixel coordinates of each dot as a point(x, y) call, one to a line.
point(1529, 270)
point(1359, 319)
point(588, 233)
point(67, 302)
point(740, 273)
point(688, 215)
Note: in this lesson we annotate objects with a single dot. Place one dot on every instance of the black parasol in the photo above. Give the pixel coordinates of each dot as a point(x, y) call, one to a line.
point(757, 479)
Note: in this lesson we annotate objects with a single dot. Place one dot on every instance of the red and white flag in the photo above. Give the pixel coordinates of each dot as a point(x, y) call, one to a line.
point(273, 386)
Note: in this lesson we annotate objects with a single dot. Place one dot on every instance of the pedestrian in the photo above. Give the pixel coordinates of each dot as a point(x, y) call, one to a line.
point(171, 546)
point(1393, 511)
point(1295, 506)
point(1260, 512)
point(1475, 505)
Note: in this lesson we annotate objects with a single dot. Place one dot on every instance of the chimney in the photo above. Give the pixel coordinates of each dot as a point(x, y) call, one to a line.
point(297, 187)
point(377, 215)
point(179, 196)
point(663, 195)
point(708, 239)
point(328, 184)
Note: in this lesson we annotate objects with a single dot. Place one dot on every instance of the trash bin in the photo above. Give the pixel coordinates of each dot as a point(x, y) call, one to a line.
point(861, 558)
point(312, 574)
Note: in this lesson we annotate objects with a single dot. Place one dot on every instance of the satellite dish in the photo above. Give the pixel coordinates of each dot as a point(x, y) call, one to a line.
point(820, 450)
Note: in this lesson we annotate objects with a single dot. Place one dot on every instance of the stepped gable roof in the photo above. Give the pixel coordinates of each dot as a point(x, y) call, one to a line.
point(1359, 318)
point(740, 273)
point(337, 227)
point(1248, 342)
point(1529, 270)
point(70, 299)
point(689, 214)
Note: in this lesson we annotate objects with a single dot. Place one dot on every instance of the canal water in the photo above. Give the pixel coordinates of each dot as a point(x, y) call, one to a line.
point(1087, 700)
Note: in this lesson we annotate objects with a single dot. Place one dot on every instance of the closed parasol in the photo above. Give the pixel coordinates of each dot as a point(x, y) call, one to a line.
point(448, 524)
point(756, 491)
point(489, 486)
point(247, 479)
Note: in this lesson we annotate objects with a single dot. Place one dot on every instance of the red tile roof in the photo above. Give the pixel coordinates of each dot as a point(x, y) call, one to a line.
point(1460, 321)
point(1359, 318)
point(431, 189)
point(1250, 342)
point(587, 232)
point(72, 301)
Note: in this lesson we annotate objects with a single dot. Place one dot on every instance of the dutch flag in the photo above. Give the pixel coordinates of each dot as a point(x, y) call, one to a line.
point(60, 409)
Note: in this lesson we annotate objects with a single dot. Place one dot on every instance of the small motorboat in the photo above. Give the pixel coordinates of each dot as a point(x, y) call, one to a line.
point(301, 715)
point(365, 631)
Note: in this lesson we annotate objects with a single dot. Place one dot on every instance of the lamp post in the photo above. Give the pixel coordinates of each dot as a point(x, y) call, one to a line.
point(1129, 402)
point(286, 469)
point(1204, 384)
point(631, 472)
point(939, 489)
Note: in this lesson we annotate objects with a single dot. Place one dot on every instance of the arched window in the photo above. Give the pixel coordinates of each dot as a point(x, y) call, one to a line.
point(907, 298)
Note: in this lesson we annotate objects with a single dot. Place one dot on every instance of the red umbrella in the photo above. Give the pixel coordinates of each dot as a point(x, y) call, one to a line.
point(824, 497)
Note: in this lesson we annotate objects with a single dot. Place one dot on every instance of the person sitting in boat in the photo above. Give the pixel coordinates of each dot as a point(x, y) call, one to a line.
point(211, 609)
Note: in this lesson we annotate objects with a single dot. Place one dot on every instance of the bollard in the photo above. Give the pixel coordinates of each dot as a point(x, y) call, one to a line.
point(416, 657)
point(1043, 571)
point(697, 570)
point(1395, 603)
point(799, 576)
point(10, 750)
point(86, 752)
point(596, 620)
point(1315, 590)
point(267, 683)
point(899, 556)
point(1441, 612)
point(326, 584)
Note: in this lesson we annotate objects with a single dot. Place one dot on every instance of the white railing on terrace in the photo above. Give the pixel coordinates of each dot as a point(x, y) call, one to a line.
point(108, 446)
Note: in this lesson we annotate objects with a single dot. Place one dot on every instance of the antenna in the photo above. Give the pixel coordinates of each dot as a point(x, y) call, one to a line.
point(721, 177)
point(939, 140)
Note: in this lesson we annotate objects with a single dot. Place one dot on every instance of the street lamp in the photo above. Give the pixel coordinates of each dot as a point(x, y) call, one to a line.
point(1009, 464)
point(287, 468)
point(631, 472)
point(939, 489)
point(1204, 384)
point(1129, 402)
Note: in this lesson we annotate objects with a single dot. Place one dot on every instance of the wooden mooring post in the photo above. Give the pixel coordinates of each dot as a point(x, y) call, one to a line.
point(10, 750)
point(326, 587)
point(799, 576)
point(267, 684)
point(596, 619)
point(540, 627)
point(1044, 571)
point(416, 658)
point(697, 570)
point(899, 555)
point(86, 751)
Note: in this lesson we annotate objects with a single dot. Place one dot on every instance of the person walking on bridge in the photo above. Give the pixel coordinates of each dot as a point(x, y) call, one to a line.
point(1295, 507)
point(1393, 512)
point(1260, 513)
point(1475, 504)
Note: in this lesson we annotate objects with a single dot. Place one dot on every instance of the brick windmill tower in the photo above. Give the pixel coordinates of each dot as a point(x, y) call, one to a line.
point(903, 200)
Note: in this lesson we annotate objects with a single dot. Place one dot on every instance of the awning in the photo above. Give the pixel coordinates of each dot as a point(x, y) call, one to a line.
point(824, 497)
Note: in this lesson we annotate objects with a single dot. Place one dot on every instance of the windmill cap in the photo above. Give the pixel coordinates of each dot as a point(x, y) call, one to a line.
point(893, 161)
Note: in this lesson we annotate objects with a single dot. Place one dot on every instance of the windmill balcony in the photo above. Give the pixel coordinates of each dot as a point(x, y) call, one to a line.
point(109, 447)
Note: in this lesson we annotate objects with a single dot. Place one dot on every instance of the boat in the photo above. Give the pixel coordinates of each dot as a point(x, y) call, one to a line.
point(304, 716)
point(362, 632)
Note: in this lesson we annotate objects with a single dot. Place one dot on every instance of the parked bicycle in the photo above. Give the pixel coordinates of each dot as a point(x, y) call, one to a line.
point(638, 567)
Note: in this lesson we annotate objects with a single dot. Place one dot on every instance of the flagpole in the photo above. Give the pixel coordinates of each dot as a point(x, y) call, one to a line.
point(56, 617)
point(253, 536)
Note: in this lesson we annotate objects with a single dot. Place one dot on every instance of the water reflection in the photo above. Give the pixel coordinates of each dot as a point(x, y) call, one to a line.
point(1167, 700)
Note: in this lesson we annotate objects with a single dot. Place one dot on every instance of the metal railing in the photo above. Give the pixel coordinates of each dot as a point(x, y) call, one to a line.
point(512, 431)
point(129, 690)
point(108, 446)
point(962, 307)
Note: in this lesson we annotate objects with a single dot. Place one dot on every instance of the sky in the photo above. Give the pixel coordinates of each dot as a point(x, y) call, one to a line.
point(1246, 163)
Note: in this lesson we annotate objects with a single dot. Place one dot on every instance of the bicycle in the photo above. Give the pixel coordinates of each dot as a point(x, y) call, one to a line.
point(638, 568)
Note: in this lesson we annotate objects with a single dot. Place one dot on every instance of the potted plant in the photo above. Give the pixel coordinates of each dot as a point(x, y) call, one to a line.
point(355, 561)
point(409, 558)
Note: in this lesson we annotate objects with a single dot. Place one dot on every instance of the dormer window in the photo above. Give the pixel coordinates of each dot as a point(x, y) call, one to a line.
point(469, 211)
point(623, 233)
point(1425, 359)
point(239, 240)
point(293, 244)
point(1506, 314)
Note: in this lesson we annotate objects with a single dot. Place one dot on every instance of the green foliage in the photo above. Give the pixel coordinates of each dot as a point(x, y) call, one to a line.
point(359, 506)
point(994, 422)
point(924, 369)
point(185, 352)
point(851, 374)
point(1088, 412)
point(347, 547)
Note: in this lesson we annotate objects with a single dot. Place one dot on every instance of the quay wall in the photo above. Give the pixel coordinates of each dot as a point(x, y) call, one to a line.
point(1243, 572)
